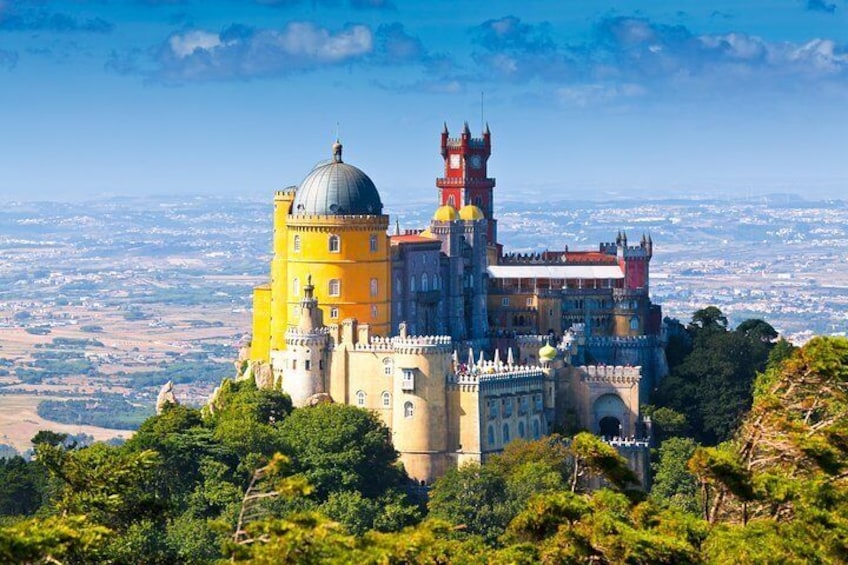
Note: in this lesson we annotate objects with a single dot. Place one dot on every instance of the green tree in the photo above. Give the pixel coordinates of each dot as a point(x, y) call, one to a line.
point(708, 319)
point(22, 486)
point(341, 448)
point(472, 498)
point(673, 484)
point(247, 420)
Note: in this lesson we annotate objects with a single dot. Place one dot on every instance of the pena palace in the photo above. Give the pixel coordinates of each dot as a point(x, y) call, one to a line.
point(459, 345)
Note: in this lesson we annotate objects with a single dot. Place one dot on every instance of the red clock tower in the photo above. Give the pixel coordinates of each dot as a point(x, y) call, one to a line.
point(465, 180)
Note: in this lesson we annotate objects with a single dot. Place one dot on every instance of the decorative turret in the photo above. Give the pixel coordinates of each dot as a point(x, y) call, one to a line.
point(465, 180)
point(306, 349)
point(547, 353)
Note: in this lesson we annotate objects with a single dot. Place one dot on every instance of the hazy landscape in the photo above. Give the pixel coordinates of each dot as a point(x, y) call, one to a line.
point(104, 301)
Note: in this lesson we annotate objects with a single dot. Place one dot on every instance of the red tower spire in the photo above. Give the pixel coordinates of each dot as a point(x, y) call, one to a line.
point(465, 180)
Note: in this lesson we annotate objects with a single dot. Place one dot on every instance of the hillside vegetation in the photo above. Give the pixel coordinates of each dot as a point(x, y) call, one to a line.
point(773, 489)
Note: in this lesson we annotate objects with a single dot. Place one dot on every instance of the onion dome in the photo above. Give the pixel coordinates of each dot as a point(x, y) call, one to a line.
point(547, 352)
point(334, 188)
point(446, 213)
point(471, 212)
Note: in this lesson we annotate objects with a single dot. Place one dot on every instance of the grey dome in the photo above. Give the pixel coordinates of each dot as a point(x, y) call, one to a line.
point(334, 188)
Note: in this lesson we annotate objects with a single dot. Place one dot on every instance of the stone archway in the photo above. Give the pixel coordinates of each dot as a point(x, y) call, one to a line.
point(611, 416)
point(609, 426)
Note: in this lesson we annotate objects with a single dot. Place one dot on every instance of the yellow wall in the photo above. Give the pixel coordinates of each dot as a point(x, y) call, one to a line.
point(260, 345)
point(279, 299)
point(354, 265)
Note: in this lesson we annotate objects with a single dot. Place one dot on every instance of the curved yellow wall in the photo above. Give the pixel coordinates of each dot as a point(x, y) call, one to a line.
point(354, 265)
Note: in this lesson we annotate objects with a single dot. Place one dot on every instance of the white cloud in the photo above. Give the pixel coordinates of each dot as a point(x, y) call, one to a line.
point(242, 53)
point(187, 43)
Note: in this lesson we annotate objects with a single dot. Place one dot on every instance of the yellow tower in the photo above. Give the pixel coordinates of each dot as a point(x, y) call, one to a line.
point(332, 229)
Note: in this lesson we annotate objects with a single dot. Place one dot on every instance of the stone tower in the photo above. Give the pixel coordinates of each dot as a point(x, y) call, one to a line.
point(306, 351)
point(466, 181)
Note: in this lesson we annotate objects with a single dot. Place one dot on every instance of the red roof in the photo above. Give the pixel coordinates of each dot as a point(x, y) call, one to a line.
point(411, 238)
point(590, 257)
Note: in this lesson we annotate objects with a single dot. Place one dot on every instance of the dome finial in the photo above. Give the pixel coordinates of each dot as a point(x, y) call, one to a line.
point(337, 151)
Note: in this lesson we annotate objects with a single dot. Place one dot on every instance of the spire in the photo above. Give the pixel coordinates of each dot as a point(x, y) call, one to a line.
point(509, 359)
point(445, 130)
point(487, 132)
point(482, 357)
point(470, 357)
point(465, 129)
point(497, 360)
point(337, 151)
point(397, 226)
point(307, 290)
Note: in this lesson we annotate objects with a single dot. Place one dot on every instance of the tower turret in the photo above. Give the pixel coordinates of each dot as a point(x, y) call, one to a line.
point(465, 179)
point(306, 350)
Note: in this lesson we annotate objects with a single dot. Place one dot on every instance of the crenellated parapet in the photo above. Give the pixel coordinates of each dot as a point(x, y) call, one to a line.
point(353, 222)
point(530, 259)
point(636, 341)
point(376, 344)
point(610, 374)
point(493, 375)
point(532, 339)
point(422, 345)
point(286, 193)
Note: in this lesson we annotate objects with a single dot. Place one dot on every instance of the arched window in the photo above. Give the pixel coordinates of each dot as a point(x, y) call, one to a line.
point(451, 201)
point(334, 313)
point(387, 399)
point(373, 287)
point(634, 323)
point(425, 283)
point(335, 287)
point(436, 282)
point(506, 433)
point(335, 244)
point(388, 367)
point(372, 242)
point(296, 244)
point(536, 432)
point(408, 409)
point(360, 398)
point(374, 311)
point(398, 285)
point(491, 435)
point(521, 430)
point(411, 283)
point(296, 286)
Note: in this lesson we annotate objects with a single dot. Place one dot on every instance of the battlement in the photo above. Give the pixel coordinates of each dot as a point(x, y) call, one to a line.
point(530, 339)
point(632, 443)
point(610, 374)
point(316, 222)
point(444, 182)
point(285, 194)
point(490, 372)
point(295, 331)
point(375, 344)
point(623, 341)
point(532, 259)
point(424, 344)
point(476, 142)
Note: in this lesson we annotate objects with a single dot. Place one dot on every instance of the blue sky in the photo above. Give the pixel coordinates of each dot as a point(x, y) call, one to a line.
point(584, 98)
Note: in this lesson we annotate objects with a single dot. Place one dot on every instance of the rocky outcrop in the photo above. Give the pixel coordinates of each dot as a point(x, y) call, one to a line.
point(166, 396)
